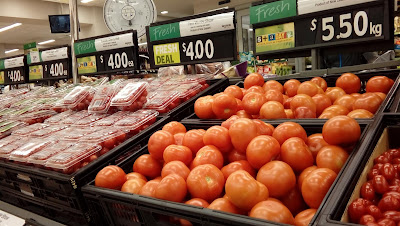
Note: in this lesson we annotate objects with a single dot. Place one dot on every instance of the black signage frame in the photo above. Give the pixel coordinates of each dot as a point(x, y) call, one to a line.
point(23, 69)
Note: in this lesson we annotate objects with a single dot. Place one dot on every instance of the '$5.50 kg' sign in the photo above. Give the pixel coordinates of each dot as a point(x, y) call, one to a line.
point(199, 50)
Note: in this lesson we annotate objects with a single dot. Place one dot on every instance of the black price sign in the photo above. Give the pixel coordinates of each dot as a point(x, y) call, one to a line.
point(12, 70)
point(14, 75)
point(56, 69)
point(115, 60)
point(55, 63)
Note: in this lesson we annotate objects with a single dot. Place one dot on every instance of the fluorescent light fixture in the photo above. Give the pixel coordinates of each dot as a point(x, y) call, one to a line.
point(250, 29)
point(10, 27)
point(46, 42)
point(164, 12)
point(142, 44)
point(86, 1)
point(11, 50)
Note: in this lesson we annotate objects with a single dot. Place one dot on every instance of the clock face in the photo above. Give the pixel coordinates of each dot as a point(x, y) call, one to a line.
point(121, 15)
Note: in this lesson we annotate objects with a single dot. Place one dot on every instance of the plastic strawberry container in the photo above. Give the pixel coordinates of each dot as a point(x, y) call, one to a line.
point(37, 117)
point(8, 140)
point(164, 101)
point(75, 133)
point(102, 99)
point(71, 119)
point(132, 97)
point(79, 98)
point(21, 154)
point(39, 159)
point(107, 138)
point(26, 131)
point(89, 120)
point(50, 130)
point(11, 127)
point(56, 119)
point(189, 90)
point(137, 121)
point(6, 150)
point(112, 119)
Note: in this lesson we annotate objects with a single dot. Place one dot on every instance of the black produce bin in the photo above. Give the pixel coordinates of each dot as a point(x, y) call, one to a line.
point(331, 81)
point(112, 207)
point(384, 134)
point(63, 189)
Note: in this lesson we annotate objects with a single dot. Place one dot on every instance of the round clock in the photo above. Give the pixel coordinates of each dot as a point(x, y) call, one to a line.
point(121, 15)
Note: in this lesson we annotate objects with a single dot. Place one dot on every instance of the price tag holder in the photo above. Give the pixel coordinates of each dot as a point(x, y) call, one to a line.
point(203, 38)
point(54, 64)
point(107, 54)
point(12, 70)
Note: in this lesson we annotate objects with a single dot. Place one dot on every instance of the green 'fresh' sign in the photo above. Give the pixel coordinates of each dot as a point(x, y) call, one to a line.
point(30, 45)
point(166, 31)
point(2, 67)
point(273, 11)
point(85, 47)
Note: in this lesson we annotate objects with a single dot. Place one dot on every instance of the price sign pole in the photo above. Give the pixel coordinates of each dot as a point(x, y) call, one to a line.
point(203, 38)
point(13, 70)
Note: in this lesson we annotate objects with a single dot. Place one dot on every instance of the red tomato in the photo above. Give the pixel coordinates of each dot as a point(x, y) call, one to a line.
point(175, 167)
point(253, 79)
point(272, 110)
point(304, 112)
point(261, 150)
point(198, 202)
point(386, 222)
point(272, 211)
point(381, 95)
point(239, 105)
point(171, 188)
point(286, 103)
point(224, 106)
point(238, 165)
point(341, 130)
point(287, 130)
point(304, 218)
point(346, 101)
point(349, 82)
point(336, 110)
point(278, 177)
point(302, 100)
point(367, 219)
point(295, 152)
point(158, 142)
point(179, 138)
point(379, 84)
point(174, 127)
point(255, 89)
point(357, 209)
point(315, 143)
point(274, 95)
point(291, 87)
point(242, 114)
point(304, 174)
point(133, 185)
point(332, 157)
point(112, 177)
point(264, 128)
point(205, 182)
point(253, 101)
point(134, 175)
point(320, 82)
point(289, 113)
point(294, 201)
point(178, 153)
point(193, 139)
point(147, 166)
point(149, 189)
point(203, 107)
point(273, 85)
point(223, 204)
point(234, 91)
point(322, 102)
point(309, 88)
point(368, 101)
point(219, 137)
point(236, 155)
point(360, 113)
point(316, 185)
point(334, 93)
point(240, 127)
point(208, 154)
point(227, 123)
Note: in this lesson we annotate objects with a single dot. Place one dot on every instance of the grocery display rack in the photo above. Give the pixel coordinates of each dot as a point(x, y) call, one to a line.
point(112, 207)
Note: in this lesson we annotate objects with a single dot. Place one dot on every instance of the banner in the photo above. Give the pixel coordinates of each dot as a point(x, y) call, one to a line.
point(87, 65)
point(272, 11)
point(275, 37)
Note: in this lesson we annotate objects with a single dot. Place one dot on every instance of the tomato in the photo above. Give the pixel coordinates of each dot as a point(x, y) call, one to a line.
point(388, 171)
point(234, 91)
point(380, 184)
point(304, 174)
point(175, 167)
point(147, 166)
point(335, 93)
point(239, 105)
point(274, 95)
point(328, 115)
point(272, 211)
point(236, 155)
point(294, 201)
point(389, 202)
point(302, 100)
point(286, 103)
point(219, 137)
point(171, 188)
point(322, 102)
point(264, 128)
point(149, 189)
point(174, 127)
point(386, 222)
point(253, 79)
point(368, 101)
point(244, 191)
point(356, 95)
point(198, 202)
point(315, 143)
point(240, 127)
point(133, 185)
point(341, 130)
point(208, 154)
point(291, 87)
point(178, 153)
point(287, 130)
point(367, 191)
point(304, 112)
point(375, 211)
point(261, 150)
point(193, 139)
point(224, 106)
point(309, 88)
point(238, 165)
point(332, 157)
point(205, 182)
point(134, 175)
point(289, 113)
point(320, 82)
point(336, 110)
point(366, 219)
point(112, 177)
point(255, 89)
point(252, 102)
point(242, 114)
point(357, 209)
point(346, 101)
point(278, 177)
point(223, 204)
point(381, 95)
point(272, 110)
point(360, 113)
point(349, 82)
point(203, 107)
point(158, 142)
point(393, 215)
point(179, 138)
point(381, 84)
point(110, 143)
point(227, 123)
point(295, 152)
point(316, 185)
point(273, 85)
point(304, 218)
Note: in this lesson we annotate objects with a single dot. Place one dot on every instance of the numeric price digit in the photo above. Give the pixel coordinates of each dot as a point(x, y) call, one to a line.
point(197, 50)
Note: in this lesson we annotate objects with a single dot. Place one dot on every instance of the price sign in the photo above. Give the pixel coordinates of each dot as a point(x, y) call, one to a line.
point(12, 70)
point(55, 63)
point(116, 60)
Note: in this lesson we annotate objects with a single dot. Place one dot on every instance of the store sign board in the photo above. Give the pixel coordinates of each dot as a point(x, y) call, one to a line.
point(12, 70)
point(87, 65)
point(310, 6)
point(275, 37)
point(35, 72)
point(30, 45)
point(12, 63)
point(54, 54)
point(53, 64)
point(102, 44)
point(167, 53)
point(165, 31)
point(272, 11)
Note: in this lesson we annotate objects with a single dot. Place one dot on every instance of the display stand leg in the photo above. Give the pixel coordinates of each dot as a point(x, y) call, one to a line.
point(73, 11)
point(315, 59)
point(193, 69)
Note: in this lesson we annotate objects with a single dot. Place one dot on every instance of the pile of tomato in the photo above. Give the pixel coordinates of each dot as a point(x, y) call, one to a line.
point(310, 99)
point(245, 166)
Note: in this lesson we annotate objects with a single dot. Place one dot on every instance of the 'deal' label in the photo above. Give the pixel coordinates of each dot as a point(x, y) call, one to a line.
point(167, 54)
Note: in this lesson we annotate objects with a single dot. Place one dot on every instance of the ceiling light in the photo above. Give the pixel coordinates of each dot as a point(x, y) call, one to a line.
point(164, 12)
point(12, 50)
point(86, 1)
point(142, 44)
point(46, 42)
point(9, 27)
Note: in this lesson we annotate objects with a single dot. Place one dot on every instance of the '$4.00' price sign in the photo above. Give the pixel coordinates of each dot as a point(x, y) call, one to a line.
point(15, 75)
point(199, 50)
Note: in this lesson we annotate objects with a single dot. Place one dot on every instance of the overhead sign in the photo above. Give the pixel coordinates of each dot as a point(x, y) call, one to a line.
point(54, 63)
point(275, 37)
point(311, 6)
point(272, 11)
point(12, 70)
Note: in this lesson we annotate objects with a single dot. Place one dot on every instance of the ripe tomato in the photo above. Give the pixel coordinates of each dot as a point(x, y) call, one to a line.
point(334, 93)
point(274, 95)
point(379, 84)
point(253, 79)
point(320, 82)
point(264, 128)
point(278, 177)
point(252, 102)
point(286, 103)
point(337, 110)
point(239, 105)
point(304, 112)
point(272, 110)
point(134, 175)
point(244, 191)
point(322, 102)
point(346, 101)
point(349, 82)
point(193, 139)
point(294, 201)
point(179, 138)
point(332, 157)
point(315, 143)
point(236, 155)
point(316, 185)
point(133, 185)
point(255, 89)
point(158, 142)
point(203, 107)
point(304, 174)
point(219, 137)
point(341, 130)
point(198, 202)
point(273, 85)
point(287, 130)
point(149, 189)
point(261, 150)
point(223, 204)
point(295, 152)
point(171, 188)
point(238, 165)
point(234, 91)
point(357, 209)
point(291, 87)
point(205, 182)
point(174, 127)
point(224, 106)
point(242, 114)
point(304, 218)
point(302, 100)
point(289, 113)
point(147, 166)
point(309, 88)
point(208, 154)
point(381, 95)
point(227, 123)
point(175, 167)
point(273, 211)
point(240, 127)
point(368, 101)
point(178, 153)
point(112, 177)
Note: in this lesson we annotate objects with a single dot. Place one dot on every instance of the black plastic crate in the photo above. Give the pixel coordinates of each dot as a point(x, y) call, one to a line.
point(331, 81)
point(63, 189)
point(118, 208)
point(336, 204)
